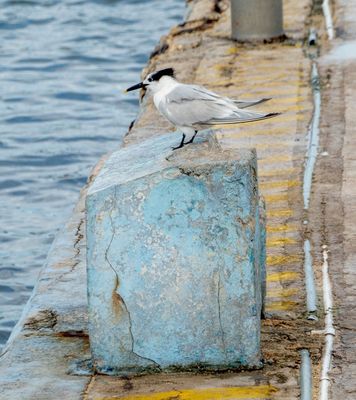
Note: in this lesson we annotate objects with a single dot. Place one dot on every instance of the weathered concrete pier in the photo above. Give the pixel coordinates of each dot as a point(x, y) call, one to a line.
point(48, 356)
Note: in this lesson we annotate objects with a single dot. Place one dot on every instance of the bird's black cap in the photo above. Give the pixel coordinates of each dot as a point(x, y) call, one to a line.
point(156, 76)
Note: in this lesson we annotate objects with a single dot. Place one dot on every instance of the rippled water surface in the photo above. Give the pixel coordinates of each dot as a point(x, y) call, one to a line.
point(62, 65)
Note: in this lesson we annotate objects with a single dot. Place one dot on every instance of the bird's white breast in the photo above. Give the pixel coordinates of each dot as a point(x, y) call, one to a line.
point(163, 88)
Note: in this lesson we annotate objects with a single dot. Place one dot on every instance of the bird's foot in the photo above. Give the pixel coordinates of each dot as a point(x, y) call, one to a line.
point(192, 139)
point(181, 144)
point(178, 147)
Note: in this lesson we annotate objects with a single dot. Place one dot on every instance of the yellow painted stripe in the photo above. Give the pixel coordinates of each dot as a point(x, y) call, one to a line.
point(283, 276)
point(232, 50)
point(239, 133)
point(274, 242)
point(287, 100)
point(294, 107)
point(257, 128)
point(282, 260)
point(282, 292)
point(274, 75)
point(234, 142)
point(289, 117)
point(279, 184)
point(250, 123)
point(277, 172)
point(283, 305)
point(274, 198)
point(279, 213)
point(266, 65)
point(281, 228)
point(267, 92)
point(293, 84)
point(226, 393)
point(275, 159)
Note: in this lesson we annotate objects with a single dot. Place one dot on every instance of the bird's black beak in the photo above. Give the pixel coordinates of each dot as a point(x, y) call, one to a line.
point(135, 87)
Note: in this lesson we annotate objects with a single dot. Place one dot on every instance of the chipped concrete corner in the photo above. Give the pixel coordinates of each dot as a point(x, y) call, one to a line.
point(175, 243)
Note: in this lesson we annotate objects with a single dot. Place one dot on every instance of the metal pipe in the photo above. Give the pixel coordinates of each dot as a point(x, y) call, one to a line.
point(310, 282)
point(306, 383)
point(256, 19)
point(313, 137)
point(313, 37)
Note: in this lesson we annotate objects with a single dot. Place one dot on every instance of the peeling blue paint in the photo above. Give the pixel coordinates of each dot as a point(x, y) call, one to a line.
point(175, 244)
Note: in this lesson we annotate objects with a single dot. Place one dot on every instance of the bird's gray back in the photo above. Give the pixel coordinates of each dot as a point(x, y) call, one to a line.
point(188, 105)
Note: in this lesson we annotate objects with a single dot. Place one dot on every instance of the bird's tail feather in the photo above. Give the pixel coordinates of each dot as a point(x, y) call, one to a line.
point(250, 103)
point(241, 118)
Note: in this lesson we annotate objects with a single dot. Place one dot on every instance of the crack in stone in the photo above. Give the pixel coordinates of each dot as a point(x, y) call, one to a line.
point(219, 314)
point(78, 238)
point(117, 295)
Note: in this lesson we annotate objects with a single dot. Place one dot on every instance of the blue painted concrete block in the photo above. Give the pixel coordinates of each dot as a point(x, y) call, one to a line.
point(175, 247)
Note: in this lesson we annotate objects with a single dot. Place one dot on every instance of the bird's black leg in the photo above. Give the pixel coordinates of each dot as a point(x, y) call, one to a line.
point(192, 139)
point(181, 143)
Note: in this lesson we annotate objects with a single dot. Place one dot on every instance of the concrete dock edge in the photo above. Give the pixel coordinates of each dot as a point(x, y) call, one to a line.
point(48, 355)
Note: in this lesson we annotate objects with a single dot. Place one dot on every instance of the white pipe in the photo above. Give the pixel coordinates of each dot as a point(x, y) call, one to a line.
point(329, 331)
point(328, 19)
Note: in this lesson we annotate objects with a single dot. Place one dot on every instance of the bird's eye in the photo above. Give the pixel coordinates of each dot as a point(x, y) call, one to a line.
point(150, 80)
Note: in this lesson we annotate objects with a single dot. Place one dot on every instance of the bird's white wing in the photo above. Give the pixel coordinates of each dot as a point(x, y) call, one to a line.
point(189, 105)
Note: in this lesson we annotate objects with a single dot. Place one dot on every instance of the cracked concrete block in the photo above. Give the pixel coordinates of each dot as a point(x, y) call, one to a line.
point(175, 258)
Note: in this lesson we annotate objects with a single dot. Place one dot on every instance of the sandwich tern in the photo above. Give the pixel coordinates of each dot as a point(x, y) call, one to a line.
point(191, 108)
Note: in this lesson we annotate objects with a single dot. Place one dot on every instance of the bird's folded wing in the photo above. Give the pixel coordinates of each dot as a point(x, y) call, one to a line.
point(189, 105)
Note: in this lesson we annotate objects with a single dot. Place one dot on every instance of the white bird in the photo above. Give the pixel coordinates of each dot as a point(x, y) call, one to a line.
point(191, 108)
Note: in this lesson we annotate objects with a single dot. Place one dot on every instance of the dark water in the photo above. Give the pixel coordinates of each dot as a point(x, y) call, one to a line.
point(63, 64)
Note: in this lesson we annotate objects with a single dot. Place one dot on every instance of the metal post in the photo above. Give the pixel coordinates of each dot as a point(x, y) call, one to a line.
point(256, 19)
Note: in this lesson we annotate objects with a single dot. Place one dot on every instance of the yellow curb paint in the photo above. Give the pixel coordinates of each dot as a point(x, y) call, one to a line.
point(282, 260)
point(264, 65)
point(252, 132)
point(277, 172)
point(290, 117)
point(272, 293)
point(248, 123)
point(232, 51)
point(275, 78)
point(295, 107)
point(279, 213)
point(275, 159)
point(283, 305)
point(283, 276)
point(291, 84)
point(258, 129)
point(267, 92)
point(287, 100)
point(274, 198)
point(279, 242)
point(254, 86)
point(259, 146)
point(281, 228)
point(226, 393)
point(279, 184)
point(253, 81)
